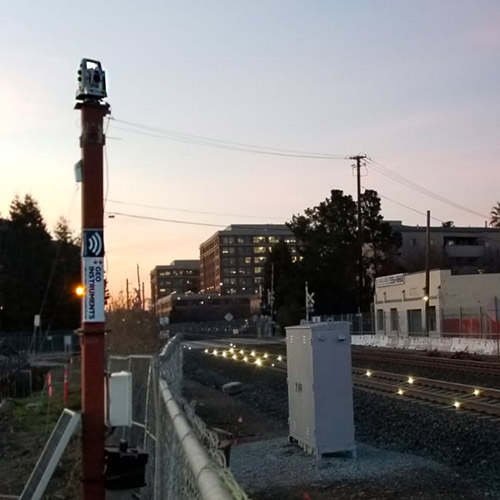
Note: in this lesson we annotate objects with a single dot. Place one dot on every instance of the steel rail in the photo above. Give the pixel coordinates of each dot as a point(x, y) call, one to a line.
point(429, 362)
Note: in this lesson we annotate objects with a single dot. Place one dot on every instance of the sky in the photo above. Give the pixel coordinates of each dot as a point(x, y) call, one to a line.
point(412, 84)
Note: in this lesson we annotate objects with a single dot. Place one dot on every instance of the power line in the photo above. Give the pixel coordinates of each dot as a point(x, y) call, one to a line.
point(220, 214)
point(378, 167)
point(222, 144)
point(159, 219)
point(405, 206)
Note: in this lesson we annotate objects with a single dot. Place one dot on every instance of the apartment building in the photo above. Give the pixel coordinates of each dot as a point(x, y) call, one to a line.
point(463, 250)
point(232, 261)
point(179, 276)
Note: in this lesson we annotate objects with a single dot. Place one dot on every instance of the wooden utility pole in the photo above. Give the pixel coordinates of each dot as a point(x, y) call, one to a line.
point(361, 279)
point(91, 91)
point(427, 297)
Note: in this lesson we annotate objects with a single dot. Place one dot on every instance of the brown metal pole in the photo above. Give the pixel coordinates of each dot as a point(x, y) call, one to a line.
point(93, 326)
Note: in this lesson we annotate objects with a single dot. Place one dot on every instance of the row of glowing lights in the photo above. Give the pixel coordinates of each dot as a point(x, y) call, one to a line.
point(411, 380)
point(233, 353)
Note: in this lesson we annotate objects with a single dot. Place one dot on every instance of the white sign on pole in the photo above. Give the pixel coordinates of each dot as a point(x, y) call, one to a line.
point(37, 321)
point(93, 281)
point(228, 317)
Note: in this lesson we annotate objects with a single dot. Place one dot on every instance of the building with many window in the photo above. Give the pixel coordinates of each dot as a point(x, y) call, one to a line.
point(232, 261)
point(179, 276)
point(463, 250)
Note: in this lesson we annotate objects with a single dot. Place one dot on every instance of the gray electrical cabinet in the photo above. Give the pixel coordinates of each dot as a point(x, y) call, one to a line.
point(320, 405)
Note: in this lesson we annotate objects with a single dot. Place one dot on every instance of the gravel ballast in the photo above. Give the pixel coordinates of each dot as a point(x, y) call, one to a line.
point(281, 464)
point(467, 444)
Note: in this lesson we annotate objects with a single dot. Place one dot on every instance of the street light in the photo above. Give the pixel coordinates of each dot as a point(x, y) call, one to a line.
point(80, 290)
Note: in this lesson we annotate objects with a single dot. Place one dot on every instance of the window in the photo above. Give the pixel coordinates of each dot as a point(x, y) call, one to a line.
point(380, 320)
point(413, 242)
point(226, 281)
point(224, 250)
point(245, 251)
point(257, 280)
point(224, 240)
point(259, 250)
point(242, 239)
point(248, 260)
point(259, 260)
point(414, 320)
point(394, 320)
point(232, 270)
point(259, 239)
point(232, 281)
point(230, 240)
point(290, 240)
point(244, 270)
point(257, 270)
point(273, 239)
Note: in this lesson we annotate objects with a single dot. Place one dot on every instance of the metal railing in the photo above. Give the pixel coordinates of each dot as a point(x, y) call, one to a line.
point(185, 460)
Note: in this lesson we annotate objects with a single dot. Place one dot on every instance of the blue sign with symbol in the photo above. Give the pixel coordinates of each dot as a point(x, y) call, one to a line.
point(93, 243)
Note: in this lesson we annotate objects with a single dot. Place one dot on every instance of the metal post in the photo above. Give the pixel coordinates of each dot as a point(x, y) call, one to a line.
point(307, 304)
point(92, 331)
point(497, 327)
point(427, 297)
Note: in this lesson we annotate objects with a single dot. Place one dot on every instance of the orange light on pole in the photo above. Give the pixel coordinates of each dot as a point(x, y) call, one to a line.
point(80, 290)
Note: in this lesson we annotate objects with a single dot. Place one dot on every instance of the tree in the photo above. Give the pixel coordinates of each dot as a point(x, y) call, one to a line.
point(328, 238)
point(38, 275)
point(26, 213)
point(62, 231)
point(495, 216)
point(281, 270)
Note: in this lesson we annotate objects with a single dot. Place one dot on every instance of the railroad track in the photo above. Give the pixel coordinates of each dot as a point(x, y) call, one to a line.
point(463, 365)
point(475, 399)
point(413, 359)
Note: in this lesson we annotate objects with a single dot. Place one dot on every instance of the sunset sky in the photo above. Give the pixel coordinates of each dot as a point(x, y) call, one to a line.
point(413, 84)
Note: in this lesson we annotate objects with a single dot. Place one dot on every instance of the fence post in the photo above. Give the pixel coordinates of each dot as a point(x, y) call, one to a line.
point(460, 321)
point(481, 321)
point(496, 327)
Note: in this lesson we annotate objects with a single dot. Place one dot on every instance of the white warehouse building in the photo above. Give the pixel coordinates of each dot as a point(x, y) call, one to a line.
point(458, 304)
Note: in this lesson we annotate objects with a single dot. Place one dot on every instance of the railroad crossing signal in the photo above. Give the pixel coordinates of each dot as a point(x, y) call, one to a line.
point(310, 300)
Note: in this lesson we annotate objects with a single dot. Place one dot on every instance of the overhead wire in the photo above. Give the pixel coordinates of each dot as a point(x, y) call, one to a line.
point(222, 144)
point(202, 212)
point(378, 167)
point(159, 219)
point(406, 206)
point(200, 140)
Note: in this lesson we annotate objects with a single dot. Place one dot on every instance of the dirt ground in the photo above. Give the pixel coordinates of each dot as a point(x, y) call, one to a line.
point(25, 425)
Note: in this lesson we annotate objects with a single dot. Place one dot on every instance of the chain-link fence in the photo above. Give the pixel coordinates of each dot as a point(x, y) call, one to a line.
point(185, 461)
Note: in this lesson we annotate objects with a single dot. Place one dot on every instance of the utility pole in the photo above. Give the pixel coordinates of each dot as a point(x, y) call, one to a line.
point(127, 292)
point(139, 298)
point(271, 301)
point(91, 91)
point(361, 279)
point(427, 297)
